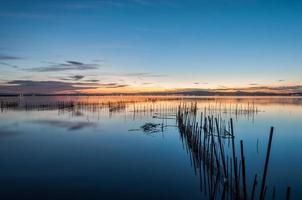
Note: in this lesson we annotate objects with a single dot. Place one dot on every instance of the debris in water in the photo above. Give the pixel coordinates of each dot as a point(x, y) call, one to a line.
point(150, 128)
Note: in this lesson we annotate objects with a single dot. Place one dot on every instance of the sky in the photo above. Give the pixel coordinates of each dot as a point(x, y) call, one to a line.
point(101, 46)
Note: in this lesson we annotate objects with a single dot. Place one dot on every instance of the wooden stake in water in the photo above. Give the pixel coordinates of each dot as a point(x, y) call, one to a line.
point(288, 193)
point(243, 170)
point(221, 150)
point(254, 187)
point(234, 160)
point(266, 163)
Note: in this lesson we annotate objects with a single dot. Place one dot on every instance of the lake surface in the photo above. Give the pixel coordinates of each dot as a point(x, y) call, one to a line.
point(99, 148)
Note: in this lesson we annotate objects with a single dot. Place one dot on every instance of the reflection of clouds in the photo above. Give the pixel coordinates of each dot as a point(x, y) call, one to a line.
point(5, 133)
point(69, 125)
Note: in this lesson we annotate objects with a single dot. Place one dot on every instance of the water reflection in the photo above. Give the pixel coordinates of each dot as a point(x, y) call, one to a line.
point(205, 144)
point(70, 126)
point(116, 144)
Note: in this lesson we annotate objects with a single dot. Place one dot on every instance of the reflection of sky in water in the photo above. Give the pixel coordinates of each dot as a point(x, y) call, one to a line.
point(91, 152)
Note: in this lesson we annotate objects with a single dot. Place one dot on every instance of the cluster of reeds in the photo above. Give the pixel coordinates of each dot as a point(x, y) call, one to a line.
point(248, 110)
point(36, 106)
point(8, 105)
point(222, 175)
point(114, 105)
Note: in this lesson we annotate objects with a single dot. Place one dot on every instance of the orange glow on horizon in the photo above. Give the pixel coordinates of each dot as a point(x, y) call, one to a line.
point(273, 88)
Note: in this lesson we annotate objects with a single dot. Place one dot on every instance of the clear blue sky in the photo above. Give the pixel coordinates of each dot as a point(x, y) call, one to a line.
point(151, 43)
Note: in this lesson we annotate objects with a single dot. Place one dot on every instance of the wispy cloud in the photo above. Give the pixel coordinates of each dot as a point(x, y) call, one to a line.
point(66, 66)
point(73, 78)
point(9, 57)
point(8, 65)
point(292, 88)
point(23, 15)
point(139, 75)
point(5, 59)
point(281, 90)
point(29, 86)
point(77, 77)
point(112, 85)
point(222, 87)
point(143, 74)
point(98, 60)
point(88, 5)
point(92, 80)
point(204, 83)
point(147, 83)
point(260, 88)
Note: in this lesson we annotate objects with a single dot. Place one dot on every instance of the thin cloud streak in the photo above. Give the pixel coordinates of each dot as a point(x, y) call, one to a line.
point(143, 74)
point(24, 15)
point(9, 65)
point(51, 87)
point(91, 80)
point(28, 86)
point(197, 83)
point(135, 74)
point(77, 77)
point(66, 66)
point(275, 89)
point(9, 57)
point(113, 85)
point(73, 78)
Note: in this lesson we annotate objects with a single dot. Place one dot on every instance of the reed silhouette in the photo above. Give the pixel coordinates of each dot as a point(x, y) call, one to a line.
point(221, 175)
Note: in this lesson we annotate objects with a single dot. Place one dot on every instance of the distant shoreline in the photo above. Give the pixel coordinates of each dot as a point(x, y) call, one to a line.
point(189, 94)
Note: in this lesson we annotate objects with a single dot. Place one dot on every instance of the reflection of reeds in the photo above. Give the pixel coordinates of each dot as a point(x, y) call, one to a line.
point(8, 105)
point(156, 107)
point(222, 177)
point(248, 110)
point(222, 172)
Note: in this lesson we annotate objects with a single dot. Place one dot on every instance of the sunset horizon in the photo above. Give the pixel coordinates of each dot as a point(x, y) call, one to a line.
point(149, 46)
point(150, 99)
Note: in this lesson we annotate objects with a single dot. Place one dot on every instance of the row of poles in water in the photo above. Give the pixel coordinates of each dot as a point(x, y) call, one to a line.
point(222, 174)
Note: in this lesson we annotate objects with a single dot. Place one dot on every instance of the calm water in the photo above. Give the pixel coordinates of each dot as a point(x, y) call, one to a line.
point(97, 150)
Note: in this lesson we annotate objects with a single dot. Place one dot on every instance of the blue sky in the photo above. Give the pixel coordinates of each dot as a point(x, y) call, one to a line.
point(152, 44)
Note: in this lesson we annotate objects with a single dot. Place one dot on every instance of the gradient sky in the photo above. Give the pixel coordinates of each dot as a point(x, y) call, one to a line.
point(143, 45)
